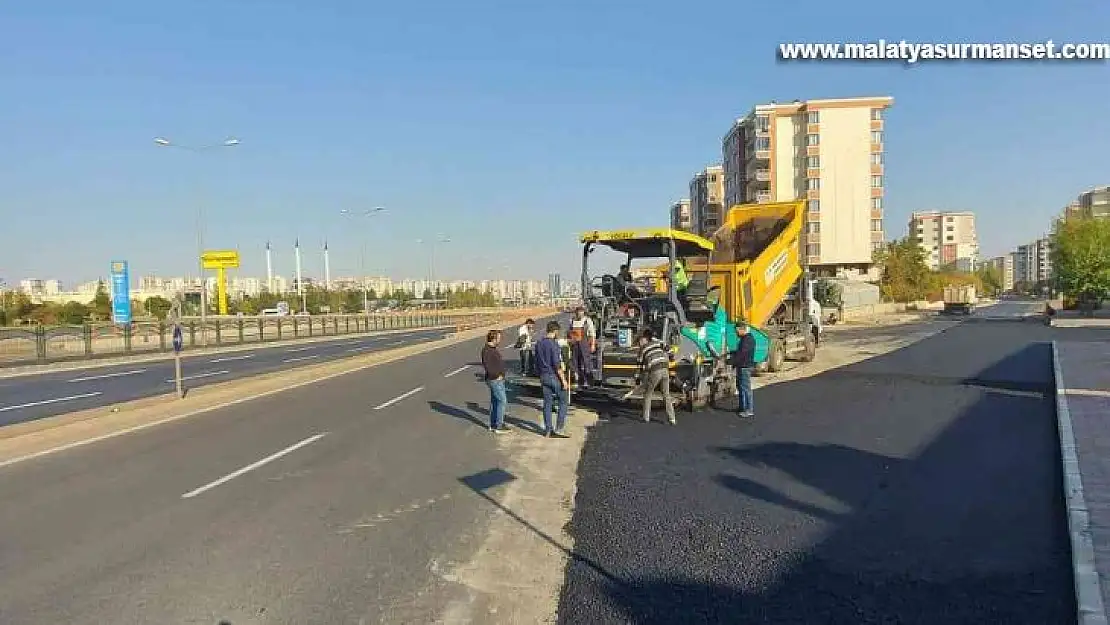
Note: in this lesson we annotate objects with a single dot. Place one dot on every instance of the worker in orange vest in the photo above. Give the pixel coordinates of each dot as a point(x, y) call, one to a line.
point(583, 343)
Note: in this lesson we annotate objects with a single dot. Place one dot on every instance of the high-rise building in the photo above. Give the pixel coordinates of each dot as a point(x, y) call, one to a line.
point(1032, 264)
point(681, 217)
point(554, 285)
point(948, 238)
point(1095, 203)
point(828, 152)
point(1005, 266)
point(707, 190)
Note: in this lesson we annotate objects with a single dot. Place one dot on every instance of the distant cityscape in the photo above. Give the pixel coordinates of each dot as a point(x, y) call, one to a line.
point(48, 290)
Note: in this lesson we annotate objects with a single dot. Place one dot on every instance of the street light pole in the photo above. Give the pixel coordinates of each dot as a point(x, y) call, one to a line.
point(226, 143)
point(432, 261)
point(370, 212)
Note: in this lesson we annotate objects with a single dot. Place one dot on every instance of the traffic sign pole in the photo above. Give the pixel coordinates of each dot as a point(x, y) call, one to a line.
point(178, 344)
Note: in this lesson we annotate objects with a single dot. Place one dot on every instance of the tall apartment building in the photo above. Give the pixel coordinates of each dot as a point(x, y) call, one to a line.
point(707, 190)
point(1032, 264)
point(1095, 203)
point(828, 152)
point(1005, 266)
point(681, 216)
point(948, 238)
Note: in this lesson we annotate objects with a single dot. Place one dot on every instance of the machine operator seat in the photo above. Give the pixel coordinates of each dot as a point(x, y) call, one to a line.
point(695, 301)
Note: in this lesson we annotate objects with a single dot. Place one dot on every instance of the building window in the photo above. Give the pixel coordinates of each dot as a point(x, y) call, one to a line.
point(877, 159)
point(813, 249)
point(877, 114)
point(876, 225)
point(813, 117)
point(950, 228)
point(877, 204)
point(813, 162)
point(813, 184)
point(876, 182)
point(762, 143)
point(876, 136)
point(813, 139)
point(762, 123)
point(813, 227)
point(815, 206)
point(949, 238)
point(876, 246)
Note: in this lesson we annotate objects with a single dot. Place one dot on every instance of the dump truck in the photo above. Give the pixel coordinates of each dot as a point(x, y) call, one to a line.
point(756, 270)
point(959, 299)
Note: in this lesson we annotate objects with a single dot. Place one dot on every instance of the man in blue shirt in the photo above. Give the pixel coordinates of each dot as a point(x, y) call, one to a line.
point(553, 380)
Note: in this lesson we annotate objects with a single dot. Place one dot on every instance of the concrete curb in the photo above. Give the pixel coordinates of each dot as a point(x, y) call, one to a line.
point(1088, 589)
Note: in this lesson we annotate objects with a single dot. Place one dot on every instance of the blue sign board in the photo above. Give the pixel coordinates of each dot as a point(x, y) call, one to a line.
point(178, 339)
point(121, 292)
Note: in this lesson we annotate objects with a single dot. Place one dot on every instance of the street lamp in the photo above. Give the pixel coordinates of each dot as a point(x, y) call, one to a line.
point(439, 238)
point(369, 212)
point(226, 143)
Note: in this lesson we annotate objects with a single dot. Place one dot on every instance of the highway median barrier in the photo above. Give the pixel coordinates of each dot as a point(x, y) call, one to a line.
point(23, 441)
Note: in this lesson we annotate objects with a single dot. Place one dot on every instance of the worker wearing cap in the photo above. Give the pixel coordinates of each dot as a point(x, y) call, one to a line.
point(583, 343)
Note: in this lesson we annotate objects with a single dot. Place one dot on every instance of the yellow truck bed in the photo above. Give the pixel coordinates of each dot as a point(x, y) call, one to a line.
point(756, 260)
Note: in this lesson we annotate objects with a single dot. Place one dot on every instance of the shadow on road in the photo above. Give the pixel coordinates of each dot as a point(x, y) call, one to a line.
point(871, 494)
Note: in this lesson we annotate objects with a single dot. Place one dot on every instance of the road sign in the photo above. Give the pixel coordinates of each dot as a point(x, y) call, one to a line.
point(178, 339)
point(121, 292)
point(220, 259)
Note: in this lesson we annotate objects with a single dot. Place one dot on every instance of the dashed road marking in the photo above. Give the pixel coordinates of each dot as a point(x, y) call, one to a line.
point(49, 401)
point(299, 358)
point(399, 398)
point(456, 371)
point(107, 375)
point(254, 465)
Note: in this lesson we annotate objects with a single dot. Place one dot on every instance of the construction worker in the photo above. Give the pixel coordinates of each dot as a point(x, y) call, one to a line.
point(681, 280)
point(583, 343)
point(654, 374)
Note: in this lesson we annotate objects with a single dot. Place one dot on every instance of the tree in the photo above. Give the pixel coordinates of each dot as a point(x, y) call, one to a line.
point(905, 276)
point(991, 279)
point(101, 303)
point(1080, 255)
point(428, 295)
point(158, 306)
point(73, 313)
point(828, 293)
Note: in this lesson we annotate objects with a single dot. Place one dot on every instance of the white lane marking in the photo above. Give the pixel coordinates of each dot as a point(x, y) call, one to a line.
point(1086, 392)
point(254, 465)
point(300, 349)
point(395, 343)
point(359, 349)
point(108, 375)
point(399, 398)
point(301, 358)
point(200, 375)
point(459, 370)
point(49, 401)
point(227, 358)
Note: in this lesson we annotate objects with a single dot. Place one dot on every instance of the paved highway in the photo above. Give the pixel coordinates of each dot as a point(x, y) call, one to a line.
point(26, 398)
point(1011, 308)
point(337, 502)
point(922, 486)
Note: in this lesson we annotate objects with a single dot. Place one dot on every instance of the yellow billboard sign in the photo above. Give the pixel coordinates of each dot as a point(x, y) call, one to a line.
point(220, 259)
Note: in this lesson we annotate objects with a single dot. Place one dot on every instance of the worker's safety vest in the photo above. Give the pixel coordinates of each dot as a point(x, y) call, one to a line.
point(577, 329)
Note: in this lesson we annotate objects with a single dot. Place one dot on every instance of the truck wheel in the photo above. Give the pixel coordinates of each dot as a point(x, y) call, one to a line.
point(776, 360)
point(809, 351)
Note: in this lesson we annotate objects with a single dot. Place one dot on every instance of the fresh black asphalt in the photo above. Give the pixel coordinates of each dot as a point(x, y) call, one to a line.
point(922, 486)
point(31, 397)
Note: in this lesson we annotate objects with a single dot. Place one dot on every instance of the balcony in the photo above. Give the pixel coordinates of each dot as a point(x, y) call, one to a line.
point(762, 175)
point(763, 197)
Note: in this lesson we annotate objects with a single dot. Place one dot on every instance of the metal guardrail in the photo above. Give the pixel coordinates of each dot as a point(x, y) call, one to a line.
point(45, 344)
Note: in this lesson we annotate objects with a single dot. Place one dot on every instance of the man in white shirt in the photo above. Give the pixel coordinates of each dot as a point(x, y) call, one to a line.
point(583, 341)
point(524, 342)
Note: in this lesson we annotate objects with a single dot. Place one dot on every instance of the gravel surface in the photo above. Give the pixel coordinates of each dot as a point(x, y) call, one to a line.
point(921, 486)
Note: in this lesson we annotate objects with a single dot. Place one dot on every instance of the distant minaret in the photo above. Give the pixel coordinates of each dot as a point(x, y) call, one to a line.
point(297, 255)
point(327, 268)
point(269, 268)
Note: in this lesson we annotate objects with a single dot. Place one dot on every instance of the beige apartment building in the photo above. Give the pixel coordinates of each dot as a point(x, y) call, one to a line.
point(948, 238)
point(681, 217)
point(707, 195)
point(1005, 266)
point(1095, 203)
point(828, 152)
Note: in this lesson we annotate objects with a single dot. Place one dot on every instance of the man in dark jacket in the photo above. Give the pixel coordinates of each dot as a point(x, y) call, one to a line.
point(743, 361)
point(494, 366)
point(654, 374)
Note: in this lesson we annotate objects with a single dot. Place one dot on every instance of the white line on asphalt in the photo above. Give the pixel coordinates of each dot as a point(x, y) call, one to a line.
point(300, 349)
point(399, 398)
point(49, 401)
point(253, 466)
point(1086, 392)
point(227, 358)
point(107, 375)
point(359, 349)
point(459, 370)
point(395, 343)
point(301, 358)
point(200, 375)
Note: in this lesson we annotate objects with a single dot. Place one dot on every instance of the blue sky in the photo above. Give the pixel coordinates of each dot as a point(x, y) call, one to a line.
point(507, 127)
